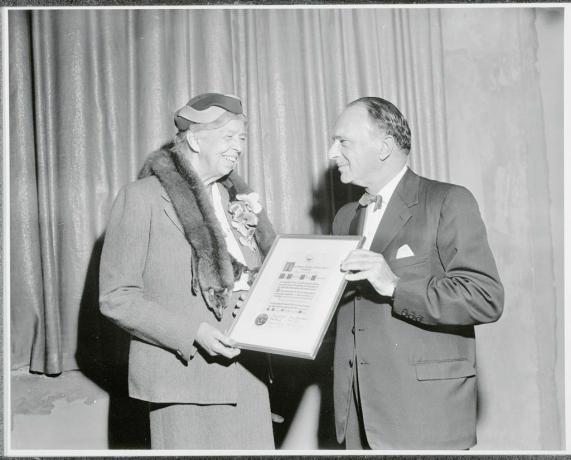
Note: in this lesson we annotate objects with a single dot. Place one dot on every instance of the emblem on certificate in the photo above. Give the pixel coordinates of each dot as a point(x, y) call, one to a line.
point(295, 295)
point(261, 319)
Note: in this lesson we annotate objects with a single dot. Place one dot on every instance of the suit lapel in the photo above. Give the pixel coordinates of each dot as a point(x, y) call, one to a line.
point(398, 211)
point(356, 227)
point(170, 211)
point(396, 215)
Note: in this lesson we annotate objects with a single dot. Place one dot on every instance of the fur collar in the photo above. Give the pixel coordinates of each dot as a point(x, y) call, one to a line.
point(214, 270)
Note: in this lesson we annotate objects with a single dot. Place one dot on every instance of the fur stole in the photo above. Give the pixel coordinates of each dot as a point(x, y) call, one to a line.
point(214, 270)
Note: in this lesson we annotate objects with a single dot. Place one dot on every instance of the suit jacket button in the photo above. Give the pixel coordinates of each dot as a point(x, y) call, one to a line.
point(350, 363)
point(353, 330)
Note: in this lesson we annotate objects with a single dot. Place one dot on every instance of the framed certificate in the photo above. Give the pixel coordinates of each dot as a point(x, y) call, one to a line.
point(294, 295)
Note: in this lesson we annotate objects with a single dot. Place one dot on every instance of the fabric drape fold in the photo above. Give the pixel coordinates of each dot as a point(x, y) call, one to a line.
point(26, 295)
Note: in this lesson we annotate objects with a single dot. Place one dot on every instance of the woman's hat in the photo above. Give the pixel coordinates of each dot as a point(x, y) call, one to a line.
point(205, 108)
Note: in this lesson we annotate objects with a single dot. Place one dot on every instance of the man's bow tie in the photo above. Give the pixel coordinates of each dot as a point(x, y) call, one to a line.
point(369, 198)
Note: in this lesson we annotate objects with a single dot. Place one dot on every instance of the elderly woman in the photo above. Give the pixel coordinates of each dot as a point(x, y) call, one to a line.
point(181, 246)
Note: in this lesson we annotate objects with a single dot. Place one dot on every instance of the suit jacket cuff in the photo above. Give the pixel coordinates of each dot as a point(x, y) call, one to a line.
point(401, 307)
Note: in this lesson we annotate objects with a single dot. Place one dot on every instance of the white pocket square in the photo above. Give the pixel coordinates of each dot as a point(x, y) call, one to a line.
point(404, 251)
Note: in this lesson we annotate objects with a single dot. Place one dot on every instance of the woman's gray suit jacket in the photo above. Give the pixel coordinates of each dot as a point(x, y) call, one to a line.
point(145, 287)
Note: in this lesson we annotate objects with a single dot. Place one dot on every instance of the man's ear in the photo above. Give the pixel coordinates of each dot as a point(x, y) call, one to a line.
point(387, 147)
point(192, 142)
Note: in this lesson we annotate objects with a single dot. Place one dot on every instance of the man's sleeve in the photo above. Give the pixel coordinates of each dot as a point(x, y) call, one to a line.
point(469, 291)
point(122, 295)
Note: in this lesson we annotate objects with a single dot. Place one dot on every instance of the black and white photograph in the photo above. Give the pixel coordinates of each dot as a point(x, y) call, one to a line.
point(154, 155)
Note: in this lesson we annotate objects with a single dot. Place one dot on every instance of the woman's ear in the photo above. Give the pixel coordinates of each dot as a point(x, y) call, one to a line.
point(192, 142)
point(387, 147)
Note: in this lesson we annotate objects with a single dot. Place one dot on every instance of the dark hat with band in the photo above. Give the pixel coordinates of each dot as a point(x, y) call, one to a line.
point(206, 108)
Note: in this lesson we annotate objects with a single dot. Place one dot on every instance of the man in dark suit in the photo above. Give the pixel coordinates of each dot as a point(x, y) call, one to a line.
point(405, 364)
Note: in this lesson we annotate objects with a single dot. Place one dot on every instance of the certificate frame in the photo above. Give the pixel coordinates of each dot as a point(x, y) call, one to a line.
point(295, 295)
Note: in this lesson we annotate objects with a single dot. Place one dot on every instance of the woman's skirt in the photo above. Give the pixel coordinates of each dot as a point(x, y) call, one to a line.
point(245, 425)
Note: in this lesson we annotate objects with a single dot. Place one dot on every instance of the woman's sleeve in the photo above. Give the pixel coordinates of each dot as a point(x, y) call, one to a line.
point(122, 291)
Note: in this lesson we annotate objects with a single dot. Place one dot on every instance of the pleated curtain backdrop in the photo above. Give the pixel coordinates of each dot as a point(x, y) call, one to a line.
point(92, 93)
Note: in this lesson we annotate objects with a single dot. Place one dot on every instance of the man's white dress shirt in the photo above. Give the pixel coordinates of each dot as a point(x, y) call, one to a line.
point(372, 217)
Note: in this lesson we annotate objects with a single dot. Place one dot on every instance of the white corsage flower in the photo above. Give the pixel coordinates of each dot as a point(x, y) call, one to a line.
point(244, 216)
point(252, 200)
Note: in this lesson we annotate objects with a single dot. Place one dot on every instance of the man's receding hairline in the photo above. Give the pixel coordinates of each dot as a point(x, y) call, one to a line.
point(374, 126)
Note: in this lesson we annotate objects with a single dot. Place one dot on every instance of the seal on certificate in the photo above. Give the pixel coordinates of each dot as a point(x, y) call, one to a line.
point(261, 319)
